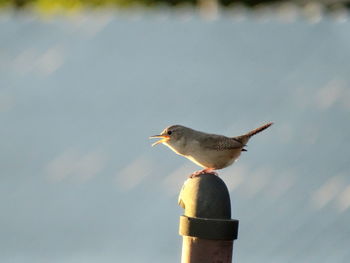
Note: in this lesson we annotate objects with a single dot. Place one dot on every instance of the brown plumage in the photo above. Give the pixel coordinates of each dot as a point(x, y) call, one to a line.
point(211, 151)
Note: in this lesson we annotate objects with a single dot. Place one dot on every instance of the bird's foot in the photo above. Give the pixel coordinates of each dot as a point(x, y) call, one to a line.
point(204, 171)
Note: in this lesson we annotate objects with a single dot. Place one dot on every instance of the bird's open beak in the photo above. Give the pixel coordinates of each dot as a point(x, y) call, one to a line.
point(164, 138)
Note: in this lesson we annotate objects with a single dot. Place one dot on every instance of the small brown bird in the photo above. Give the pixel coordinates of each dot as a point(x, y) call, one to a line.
point(209, 151)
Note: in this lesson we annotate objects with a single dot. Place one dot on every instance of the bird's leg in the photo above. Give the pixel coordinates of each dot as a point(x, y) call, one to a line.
point(204, 171)
point(210, 171)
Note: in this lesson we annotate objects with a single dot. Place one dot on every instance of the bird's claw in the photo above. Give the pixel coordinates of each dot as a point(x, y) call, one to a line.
point(204, 171)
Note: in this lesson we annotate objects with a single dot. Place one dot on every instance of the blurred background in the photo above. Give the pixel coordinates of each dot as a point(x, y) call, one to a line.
point(84, 83)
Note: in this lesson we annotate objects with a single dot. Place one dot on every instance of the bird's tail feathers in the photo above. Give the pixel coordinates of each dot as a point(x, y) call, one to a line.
point(245, 137)
point(257, 130)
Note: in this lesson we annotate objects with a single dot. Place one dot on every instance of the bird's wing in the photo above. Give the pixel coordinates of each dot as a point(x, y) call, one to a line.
point(218, 142)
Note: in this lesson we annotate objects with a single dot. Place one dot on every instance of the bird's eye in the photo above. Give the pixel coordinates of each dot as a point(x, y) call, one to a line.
point(170, 132)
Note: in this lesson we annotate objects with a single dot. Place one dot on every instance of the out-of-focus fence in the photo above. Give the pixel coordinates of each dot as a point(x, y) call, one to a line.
point(327, 4)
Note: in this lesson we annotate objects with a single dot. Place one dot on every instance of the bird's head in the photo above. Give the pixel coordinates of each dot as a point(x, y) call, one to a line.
point(170, 135)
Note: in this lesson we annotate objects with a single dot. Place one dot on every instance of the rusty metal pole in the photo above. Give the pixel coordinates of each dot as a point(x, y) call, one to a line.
point(206, 226)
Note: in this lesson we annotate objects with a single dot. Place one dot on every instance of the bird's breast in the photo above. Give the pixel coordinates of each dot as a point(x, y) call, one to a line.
point(212, 158)
point(178, 146)
point(203, 156)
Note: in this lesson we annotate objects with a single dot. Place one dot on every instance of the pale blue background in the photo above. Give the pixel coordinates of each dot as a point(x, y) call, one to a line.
point(80, 95)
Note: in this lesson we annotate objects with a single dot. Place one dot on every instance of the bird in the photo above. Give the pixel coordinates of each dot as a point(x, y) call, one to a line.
point(210, 151)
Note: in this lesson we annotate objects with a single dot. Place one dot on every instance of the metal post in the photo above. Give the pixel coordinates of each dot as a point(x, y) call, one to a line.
point(206, 226)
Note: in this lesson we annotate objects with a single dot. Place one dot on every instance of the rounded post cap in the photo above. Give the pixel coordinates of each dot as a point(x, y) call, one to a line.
point(205, 196)
point(207, 205)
